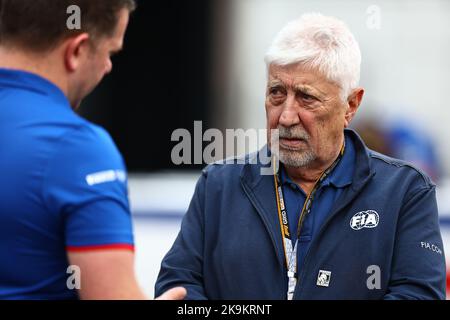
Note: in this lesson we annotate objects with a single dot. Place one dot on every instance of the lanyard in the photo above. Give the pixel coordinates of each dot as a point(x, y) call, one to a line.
point(290, 251)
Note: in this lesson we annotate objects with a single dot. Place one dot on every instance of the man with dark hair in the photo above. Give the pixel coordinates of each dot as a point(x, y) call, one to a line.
point(65, 222)
point(42, 24)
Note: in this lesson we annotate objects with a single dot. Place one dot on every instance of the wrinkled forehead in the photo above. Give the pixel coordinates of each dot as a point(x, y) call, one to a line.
point(298, 75)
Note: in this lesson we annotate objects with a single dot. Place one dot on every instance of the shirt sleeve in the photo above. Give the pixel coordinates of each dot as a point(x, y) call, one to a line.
point(183, 264)
point(418, 267)
point(86, 187)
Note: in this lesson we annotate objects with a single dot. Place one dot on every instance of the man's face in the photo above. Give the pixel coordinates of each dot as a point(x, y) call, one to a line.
point(309, 113)
point(98, 61)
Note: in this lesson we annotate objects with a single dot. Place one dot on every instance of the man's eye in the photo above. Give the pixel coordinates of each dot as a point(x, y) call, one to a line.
point(276, 92)
point(307, 97)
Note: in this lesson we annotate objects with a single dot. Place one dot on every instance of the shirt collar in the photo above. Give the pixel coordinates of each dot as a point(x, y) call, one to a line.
point(341, 176)
point(19, 79)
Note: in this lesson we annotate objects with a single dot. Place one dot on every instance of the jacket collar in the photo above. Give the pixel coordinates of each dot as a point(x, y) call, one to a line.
point(260, 188)
point(26, 81)
point(251, 171)
point(341, 176)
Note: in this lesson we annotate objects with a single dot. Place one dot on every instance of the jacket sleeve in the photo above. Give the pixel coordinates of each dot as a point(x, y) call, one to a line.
point(183, 264)
point(418, 270)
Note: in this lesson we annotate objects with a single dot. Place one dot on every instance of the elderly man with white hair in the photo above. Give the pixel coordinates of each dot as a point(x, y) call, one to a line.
point(336, 220)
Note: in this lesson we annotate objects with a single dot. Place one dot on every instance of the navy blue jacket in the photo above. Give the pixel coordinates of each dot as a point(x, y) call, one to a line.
point(230, 244)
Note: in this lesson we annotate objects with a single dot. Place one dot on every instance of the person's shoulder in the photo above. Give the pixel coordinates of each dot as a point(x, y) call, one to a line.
point(393, 168)
point(88, 142)
point(95, 134)
point(83, 157)
point(230, 167)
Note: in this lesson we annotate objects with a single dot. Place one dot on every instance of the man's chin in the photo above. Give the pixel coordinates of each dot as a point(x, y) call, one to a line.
point(296, 159)
point(76, 105)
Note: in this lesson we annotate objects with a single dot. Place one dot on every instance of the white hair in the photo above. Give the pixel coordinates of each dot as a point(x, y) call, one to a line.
point(322, 43)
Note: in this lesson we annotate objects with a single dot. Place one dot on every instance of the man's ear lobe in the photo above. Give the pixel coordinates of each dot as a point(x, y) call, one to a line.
point(353, 101)
point(76, 48)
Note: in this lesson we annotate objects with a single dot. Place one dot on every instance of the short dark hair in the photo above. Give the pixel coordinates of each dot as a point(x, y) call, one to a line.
point(40, 25)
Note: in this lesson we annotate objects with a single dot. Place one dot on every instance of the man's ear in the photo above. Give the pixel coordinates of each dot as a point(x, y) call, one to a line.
point(75, 51)
point(353, 101)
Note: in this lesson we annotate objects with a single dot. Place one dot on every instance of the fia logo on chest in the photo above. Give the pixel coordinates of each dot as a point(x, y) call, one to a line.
point(365, 219)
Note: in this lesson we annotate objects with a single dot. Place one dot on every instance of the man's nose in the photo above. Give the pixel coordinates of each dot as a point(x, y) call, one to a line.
point(289, 115)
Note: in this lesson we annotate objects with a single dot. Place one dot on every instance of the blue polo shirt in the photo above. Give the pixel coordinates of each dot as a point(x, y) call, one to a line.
point(63, 187)
point(324, 200)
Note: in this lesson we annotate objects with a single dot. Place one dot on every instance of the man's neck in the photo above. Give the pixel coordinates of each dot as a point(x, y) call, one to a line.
point(38, 64)
point(306, 178)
